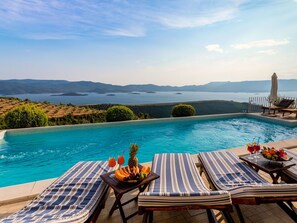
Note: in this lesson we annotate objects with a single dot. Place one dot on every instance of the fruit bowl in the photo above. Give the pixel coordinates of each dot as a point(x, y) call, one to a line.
point(272, 154)
point(132, 175)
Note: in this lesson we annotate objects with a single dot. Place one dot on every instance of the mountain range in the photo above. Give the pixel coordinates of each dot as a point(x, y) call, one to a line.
point(29, 86)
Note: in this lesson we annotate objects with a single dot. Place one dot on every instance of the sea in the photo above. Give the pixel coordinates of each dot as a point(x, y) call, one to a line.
point(136, 98)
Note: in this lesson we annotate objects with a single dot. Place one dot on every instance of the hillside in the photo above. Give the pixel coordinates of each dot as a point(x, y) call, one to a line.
point(12, 87)
point(53, 111)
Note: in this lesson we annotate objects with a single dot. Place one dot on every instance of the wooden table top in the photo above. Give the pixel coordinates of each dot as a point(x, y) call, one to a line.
point(124, 187)
point(266, 165)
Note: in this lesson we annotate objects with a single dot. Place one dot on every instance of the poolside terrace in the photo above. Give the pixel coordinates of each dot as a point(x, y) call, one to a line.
point(15, 197)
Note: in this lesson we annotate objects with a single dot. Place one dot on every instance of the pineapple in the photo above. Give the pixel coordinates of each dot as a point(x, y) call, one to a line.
point(133, 161)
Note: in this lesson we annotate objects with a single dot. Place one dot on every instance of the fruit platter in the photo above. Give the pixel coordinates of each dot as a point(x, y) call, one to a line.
point(132, 175)
point(273, 154)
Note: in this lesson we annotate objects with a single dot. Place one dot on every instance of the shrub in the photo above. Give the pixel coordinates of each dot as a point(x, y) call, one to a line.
point(26, 116)
point(182, 110)
point(119, 113)
point(2, 123)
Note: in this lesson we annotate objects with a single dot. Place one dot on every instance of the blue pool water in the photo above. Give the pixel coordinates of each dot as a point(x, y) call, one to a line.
point(36, 156)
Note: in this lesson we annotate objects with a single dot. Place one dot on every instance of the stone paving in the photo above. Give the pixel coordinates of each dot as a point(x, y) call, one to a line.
point(269, 213)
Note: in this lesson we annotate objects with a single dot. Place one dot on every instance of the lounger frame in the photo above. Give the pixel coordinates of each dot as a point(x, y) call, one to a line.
point(287, 206)
point(101, 205)
point(285, 103)
point(225, 209)
point(148, 209)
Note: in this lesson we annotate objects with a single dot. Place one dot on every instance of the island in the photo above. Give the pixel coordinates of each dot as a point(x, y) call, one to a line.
point(70, 94)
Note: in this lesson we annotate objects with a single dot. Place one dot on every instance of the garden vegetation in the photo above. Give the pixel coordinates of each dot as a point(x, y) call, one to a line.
point(119, 113)
point(182, 110)
point(25, 116)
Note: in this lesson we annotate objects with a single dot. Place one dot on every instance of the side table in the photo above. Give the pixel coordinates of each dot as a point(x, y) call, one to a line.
point(265, 165)
point(121, 188)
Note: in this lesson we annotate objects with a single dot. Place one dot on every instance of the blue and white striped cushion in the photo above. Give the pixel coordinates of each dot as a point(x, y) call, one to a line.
point(71, 198)
point(228, 172)
point(179, 184)
point(292, 172)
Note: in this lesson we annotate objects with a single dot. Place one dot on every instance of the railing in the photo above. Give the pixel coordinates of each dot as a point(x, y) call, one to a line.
point(256, 103)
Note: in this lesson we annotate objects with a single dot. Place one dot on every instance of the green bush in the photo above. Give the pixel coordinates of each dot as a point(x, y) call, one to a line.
point(26, 116)
point(183, 110)
point(119, 113)
point(2, 123)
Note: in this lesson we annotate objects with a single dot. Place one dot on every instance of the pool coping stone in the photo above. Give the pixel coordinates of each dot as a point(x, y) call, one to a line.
point(2, 134)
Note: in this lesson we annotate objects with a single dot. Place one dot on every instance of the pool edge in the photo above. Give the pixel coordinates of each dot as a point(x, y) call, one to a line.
point(122, 123)
point(2, 134)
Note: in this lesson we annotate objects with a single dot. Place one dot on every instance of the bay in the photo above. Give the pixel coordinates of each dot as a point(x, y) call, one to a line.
point(147, 98)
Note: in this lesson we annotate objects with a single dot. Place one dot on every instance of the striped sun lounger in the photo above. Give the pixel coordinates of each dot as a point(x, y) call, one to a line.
point(291, 174)
point(179, 187)
point(227, 172)
point(77, 196)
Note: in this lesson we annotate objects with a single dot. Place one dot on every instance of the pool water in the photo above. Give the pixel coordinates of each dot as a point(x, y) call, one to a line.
point(36, 156)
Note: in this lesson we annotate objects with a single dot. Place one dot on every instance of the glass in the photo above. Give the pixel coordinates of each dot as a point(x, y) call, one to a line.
point(257, 149)
point(250, 148)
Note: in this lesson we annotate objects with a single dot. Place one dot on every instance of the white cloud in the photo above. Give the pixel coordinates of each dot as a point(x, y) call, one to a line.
point(50, 36)
point(267, 52)
point(115, 17)
point(214, 48)
point(128, 32)
point(180, 21)
point(260, 44)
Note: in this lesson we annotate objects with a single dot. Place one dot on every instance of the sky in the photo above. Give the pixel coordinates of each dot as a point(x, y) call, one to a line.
point(165, 42)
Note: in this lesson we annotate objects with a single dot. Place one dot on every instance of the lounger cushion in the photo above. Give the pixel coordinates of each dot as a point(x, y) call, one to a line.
point(292, 172)
point(179, 184)
point(228, 172)
point(71, 198)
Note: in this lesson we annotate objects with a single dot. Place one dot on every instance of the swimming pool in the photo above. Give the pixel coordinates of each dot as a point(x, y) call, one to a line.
point(27, 156)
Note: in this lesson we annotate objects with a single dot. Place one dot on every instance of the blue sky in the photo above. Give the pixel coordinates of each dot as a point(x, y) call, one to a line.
point(167, 42)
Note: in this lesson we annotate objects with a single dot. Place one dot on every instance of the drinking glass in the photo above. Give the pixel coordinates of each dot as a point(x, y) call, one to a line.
point(250, 148)
point(257, 149)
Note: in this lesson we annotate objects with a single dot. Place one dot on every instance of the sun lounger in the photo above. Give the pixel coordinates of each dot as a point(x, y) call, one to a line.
point(180, 187)
point(289, 110)
point(77, 196)
point(284, 103)
point(227, 172)
point(290, 175)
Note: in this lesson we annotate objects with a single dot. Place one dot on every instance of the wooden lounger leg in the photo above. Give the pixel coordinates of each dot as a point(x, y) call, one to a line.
point(288, 208)
point(228, 216)
point(151, 216)
point(145, 217)
point(211, 216)
point(239, 213)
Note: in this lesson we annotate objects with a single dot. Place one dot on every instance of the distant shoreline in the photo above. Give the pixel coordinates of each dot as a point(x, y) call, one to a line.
point(70, 94)
point(144, 98)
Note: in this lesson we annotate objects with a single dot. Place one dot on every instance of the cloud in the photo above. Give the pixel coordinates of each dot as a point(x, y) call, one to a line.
point(178, 21)
point(128, 32)
point(49, 36)
point(267, 52)
point(260, 44)
point(214, 48)
point(80, 18)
